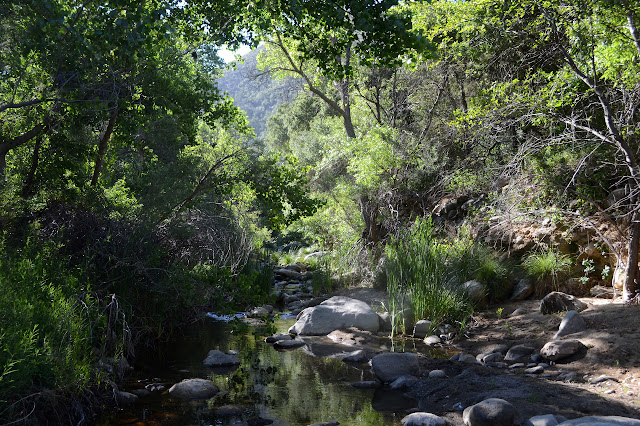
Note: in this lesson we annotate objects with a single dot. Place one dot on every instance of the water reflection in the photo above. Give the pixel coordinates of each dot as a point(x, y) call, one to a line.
point(288, 387)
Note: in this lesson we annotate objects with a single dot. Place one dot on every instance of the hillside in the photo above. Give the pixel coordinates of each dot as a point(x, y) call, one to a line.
point(258, 95)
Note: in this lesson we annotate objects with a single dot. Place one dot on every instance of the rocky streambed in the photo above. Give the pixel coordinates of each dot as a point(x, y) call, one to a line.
point(529, 363)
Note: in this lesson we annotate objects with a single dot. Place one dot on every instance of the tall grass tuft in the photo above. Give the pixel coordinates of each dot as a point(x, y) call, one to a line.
point(420, 273)
point(546, 268)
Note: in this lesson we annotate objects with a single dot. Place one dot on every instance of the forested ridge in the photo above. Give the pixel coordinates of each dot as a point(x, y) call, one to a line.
point(424, 145)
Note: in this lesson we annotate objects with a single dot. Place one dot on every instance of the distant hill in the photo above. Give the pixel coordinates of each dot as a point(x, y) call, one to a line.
point(258, 95)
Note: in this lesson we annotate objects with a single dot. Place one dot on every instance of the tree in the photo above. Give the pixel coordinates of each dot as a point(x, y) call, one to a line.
point(568, 76)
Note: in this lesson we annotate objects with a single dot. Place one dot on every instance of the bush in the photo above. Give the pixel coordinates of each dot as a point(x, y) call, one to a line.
point(546, 268)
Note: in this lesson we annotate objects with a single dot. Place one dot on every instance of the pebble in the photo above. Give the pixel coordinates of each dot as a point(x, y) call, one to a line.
point(517, 365)
point(609, 392)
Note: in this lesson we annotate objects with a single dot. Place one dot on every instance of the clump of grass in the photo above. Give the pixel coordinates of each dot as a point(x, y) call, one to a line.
point(419, 273)
point(546, 268)
point(425, 273)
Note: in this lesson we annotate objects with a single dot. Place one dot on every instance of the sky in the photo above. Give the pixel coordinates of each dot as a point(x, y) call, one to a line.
point(229, 56)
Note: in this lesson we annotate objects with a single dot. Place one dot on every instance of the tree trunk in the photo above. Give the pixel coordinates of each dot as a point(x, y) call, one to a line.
point(4, 150)
point(629, 289)
point(27, 189)
point(102, 146)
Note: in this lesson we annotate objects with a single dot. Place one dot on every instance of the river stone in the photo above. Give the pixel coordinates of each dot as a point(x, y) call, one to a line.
point(556, 302)
point(421, 329)
point(519, 353)
point(545, 420)
point(571, 323)
point(288, 273)
point(437, 374)
point(385, 321)
point(432, 340)
point(476, 292)
point(260, 311)
point(289, 344)
point(492, 357)
point(559, 349)
point(491, 412)
point(523, 290)
point(336, 313)
point(277, 337)
point(403, 382)
point(367, 384)
point(294, 267)
point(216, 358)
point(126, 398)
point(389, 366)
point(194, 389)
point(534, 370)
point(422, 419)
point(602, 420)
point(356, 356)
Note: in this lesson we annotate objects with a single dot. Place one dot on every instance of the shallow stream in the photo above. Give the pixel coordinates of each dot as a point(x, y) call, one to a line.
point(295, 387)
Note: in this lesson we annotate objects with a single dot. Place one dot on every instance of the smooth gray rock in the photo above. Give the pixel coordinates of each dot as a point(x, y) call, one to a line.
point(403, 382)
point(475, 291)
point(194, 389)
point(534, 370)
point(288, 273)
point(491, 412)
point(421, 329)
point(601, 379)
point(385, 321)
point(216, 358)
point(356, 356)
point(523, 290)
point(571, 323)
point(370, 384)
point(492, 357)
point(432, 340)
point(468, 359)
point(437, 374)
point(336, 313)
point(314, 302)
point(389, 366)
point(518, 312)
point(289, 344)
point(126, 398)
point(559, 349)
point(602, 420)
point(422, 419)
point(545, 420)
point(277, 337)
point(519, 353)
point(556, 302)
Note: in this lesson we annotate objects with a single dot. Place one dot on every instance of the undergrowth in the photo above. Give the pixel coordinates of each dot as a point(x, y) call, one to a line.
point(425, 273)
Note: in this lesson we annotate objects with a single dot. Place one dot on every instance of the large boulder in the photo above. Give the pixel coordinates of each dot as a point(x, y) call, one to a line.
point(390, 366)
point(491, 412)
point(556, 302)
point(194, 389)
point(336, 313)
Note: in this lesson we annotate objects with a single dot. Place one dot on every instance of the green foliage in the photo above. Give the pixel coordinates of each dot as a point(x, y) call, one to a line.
point(547, 268)
point(48, 324)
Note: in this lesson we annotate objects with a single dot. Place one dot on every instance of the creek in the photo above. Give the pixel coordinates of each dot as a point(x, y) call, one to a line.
point(295, 387)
